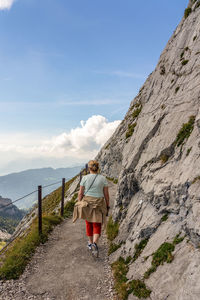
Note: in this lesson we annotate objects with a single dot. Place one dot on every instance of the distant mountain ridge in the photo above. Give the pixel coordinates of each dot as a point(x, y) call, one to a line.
point(16, 185)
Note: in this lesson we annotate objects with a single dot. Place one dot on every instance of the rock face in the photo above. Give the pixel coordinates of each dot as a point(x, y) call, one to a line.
point(155, 154)
point(9, 210)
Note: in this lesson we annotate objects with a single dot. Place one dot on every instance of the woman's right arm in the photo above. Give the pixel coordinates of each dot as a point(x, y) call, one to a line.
point(106, 195)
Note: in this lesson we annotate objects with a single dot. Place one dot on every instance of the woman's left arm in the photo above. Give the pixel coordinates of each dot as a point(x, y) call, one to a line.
point(81, 193)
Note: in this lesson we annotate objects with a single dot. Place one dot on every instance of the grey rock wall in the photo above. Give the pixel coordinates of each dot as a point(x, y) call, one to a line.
point(156, 177)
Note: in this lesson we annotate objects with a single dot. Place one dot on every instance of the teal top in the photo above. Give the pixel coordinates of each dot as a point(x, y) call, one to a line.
point(96, 189)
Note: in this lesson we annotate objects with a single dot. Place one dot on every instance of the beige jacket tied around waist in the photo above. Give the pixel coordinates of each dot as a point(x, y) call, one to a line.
point(91, 209)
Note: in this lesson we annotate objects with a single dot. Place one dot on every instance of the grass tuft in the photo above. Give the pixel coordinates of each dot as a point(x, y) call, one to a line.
point(196, 179)
point(138, 288)
point(113, 247)
point(178, 239)
point(163, 254)
point(120, 269)
point(177, 89)
point(185, 131)
point(139, 248)
point(164, 218)
point(131, 128)
point(187, 12)
point(184, 62)
point(112, 229)
point(164, 158)
point(188, 151)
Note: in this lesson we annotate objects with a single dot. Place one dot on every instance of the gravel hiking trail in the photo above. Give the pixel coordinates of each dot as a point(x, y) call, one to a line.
point(63, 268)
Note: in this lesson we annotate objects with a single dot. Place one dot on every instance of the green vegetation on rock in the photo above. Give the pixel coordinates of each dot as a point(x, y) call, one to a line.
point(185, 131)
point(163, 254)
point(112, 229)
point(164, 158)
point(177, 89)
point(130, 130)
point(187, 12)
point(122, 286)
point(196, 179)
point(139, 248)
point(164, 218)
point(120, 269)
point(184, 62)
point(138, 288)
point(188, 151)
point(113, 247)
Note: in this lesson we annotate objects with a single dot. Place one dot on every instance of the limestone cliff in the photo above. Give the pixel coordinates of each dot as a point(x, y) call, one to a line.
point(155, 154)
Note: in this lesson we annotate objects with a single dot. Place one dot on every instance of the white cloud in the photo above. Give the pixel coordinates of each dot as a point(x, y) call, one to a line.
point(6, 4)
point(79, 145)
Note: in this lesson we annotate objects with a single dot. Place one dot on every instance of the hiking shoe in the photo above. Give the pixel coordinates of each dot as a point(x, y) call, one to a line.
point(95, 250)
point(89, 246)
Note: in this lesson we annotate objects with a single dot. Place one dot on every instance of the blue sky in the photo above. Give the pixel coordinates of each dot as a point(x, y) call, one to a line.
point(66, 61)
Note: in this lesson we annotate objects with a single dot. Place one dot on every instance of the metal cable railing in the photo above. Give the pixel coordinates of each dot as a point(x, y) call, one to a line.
point(39, 190)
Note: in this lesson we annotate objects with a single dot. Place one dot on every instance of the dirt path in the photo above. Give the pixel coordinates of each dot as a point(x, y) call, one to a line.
point(63, 268)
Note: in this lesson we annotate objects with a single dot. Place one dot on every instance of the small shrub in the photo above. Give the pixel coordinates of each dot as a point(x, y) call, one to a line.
point(196, 179)
point(136, 112)
point(176, 89)
point(172, 80)
point(138, 288)
point(164, 158)
point(178, 239)
point(113, 247)
point(197, 53)
point(184, 62)
point(185, 131)
point(149, 271)
point(163, 106)
point(112, 229)
point(182, 54)
point(188, 151)
point(163, 254)
point(194, 38)
point(139, 248)
point(107, 147)
point(187, 12)
point(164, 218)
point(130, 130)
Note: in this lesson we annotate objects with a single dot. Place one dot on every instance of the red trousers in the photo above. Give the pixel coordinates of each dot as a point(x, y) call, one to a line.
point(92, 228)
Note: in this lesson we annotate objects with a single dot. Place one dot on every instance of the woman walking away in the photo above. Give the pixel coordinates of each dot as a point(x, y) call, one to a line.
point(92, 204)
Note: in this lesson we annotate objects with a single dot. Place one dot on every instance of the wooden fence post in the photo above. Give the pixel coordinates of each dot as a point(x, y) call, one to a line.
point(40, 209)
point(63, 197)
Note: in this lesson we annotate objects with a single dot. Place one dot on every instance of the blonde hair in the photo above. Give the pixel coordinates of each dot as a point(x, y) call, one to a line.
point(93, 165)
